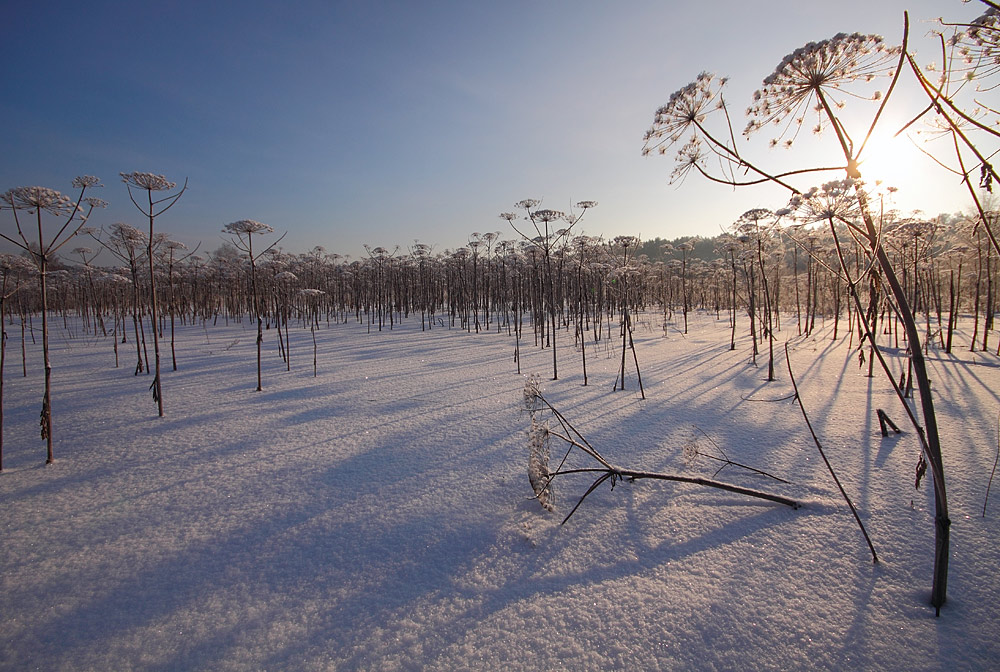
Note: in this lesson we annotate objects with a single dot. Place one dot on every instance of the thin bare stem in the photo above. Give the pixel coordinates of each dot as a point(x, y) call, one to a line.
point(819, 446)
point(992, 473)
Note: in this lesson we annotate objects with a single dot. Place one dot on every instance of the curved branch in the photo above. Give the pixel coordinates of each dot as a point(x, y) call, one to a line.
point(895, 78)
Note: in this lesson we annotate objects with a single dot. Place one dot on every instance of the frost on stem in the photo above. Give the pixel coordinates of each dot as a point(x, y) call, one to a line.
point(538, 445)
point(538, 464)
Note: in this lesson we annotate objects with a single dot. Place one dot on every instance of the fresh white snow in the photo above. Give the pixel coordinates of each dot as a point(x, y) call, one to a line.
point(378, 516)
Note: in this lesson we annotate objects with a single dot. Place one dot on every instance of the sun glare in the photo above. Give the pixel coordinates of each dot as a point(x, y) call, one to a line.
point(889, 161)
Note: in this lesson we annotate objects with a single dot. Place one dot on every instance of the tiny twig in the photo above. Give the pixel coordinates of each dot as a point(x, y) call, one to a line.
point(786, 398)
point(885, 423)
point(728, 462)
point(593, 486)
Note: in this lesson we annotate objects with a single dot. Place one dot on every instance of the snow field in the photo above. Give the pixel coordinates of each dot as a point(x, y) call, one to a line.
point(377, 516)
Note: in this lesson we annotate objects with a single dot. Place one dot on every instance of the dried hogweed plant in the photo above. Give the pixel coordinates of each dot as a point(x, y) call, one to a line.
point(36, 201)
point(546, 240)
point(541, 472)
point(812, 86)
point(153, 208)
point(241, 234)
point(955, 85)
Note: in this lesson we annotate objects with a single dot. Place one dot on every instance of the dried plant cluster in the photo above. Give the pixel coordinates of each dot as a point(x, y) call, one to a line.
point(834, 250)
point(582, 458)
point(821, 78)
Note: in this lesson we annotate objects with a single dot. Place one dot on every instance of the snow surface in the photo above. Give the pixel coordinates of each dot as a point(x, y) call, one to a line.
point(378, 516)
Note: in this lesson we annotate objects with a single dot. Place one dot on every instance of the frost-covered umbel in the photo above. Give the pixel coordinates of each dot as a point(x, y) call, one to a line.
point(34, 199)
point(548, 215)
point(126, 236)
point(685, 111)
point(813, 75)
point(538, 446)
point(538, 464)
point(532, 393)
point(835, 200)
point(979, 45)
point(11, 263)
point(147, 181)
point(246, 227)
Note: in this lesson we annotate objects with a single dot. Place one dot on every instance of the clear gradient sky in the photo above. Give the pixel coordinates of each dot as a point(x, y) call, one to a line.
point(381, 123)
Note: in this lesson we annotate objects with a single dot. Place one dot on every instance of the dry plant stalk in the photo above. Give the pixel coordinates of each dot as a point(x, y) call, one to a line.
point(819, 446)
point(541, 474)
point(994, 471)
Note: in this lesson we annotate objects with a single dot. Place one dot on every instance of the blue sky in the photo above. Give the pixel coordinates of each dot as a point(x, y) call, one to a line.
point(382, 123)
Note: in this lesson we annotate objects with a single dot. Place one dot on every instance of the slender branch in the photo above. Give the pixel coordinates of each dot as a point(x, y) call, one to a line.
point(593, 486)
point(798, 399)
point(892, 86)
point(609, 471)
point(731, 182)
point(728, 462)
point(173, 199)
point(992, 473)
point(852, 288)
point(72, 215)
point(743, 162)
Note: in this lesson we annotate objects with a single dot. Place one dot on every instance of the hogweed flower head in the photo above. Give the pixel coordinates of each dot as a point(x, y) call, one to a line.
point(86, 181)
point(39, 199)
point(548, 215)
point(816, 74)
point(834, 200)
point(979, 46)
point(147, 181)
point(532, 393)
point(691, 451)
point(12, 263)
point(625, 242)
point(538, 464)
point(690, 157)
point(127, 235)
point(247, 227)
point(684, 112)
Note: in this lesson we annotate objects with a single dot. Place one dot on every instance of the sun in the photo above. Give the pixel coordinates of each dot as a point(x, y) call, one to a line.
point(890, 161)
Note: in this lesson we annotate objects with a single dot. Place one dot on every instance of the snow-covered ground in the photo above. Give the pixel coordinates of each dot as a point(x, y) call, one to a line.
point(378, 516)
